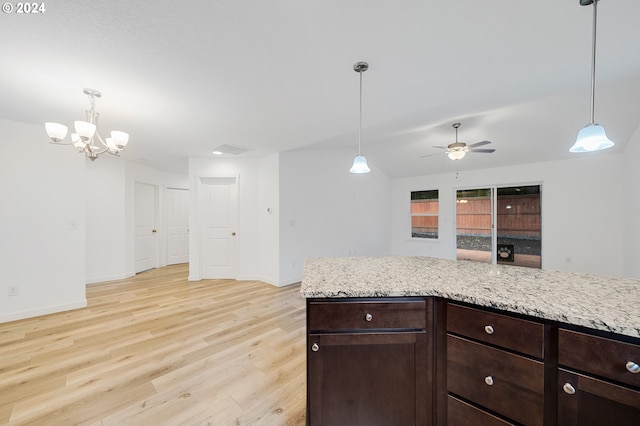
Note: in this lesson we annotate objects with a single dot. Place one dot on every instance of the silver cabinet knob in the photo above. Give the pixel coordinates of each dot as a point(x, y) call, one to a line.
point(568, 388)
point(488, 329)
point(368, 317)
point(489, 380)
point(632, 367)
point(315, 347)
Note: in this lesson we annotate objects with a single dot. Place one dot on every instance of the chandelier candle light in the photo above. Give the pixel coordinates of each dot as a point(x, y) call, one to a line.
point(86, 138)
point(360, 162)
point(592, 137)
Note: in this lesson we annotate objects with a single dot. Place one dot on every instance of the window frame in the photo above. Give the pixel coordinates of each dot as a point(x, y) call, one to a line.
point(412, 214)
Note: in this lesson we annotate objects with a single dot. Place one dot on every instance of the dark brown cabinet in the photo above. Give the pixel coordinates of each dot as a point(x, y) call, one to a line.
point(367, 363)
point(484, 368)
point(599, 380)
point(430, 361)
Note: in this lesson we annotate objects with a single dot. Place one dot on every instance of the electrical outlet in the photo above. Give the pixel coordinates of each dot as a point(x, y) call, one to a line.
point(12, 290)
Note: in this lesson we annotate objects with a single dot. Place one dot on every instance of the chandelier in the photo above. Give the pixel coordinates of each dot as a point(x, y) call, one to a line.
point(86, 138)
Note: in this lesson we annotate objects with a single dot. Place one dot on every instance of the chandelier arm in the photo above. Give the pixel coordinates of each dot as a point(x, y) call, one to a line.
point(106, 147)
point(92, 116)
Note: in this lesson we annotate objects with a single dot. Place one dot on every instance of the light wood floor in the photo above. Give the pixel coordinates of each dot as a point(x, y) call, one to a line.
point(157, 349)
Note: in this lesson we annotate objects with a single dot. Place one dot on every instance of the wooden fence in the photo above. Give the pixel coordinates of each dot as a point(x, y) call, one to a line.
point(517, 216)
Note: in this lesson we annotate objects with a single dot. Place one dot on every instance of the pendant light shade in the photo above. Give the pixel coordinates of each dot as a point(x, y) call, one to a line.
point(592, 137)
point(360, 162)
point(360, 165)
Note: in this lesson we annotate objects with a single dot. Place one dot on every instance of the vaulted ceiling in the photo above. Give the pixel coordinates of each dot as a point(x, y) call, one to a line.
point(273, 76)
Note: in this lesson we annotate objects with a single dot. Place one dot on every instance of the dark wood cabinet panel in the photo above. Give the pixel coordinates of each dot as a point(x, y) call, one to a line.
point(368, 379)
point(512, 333)
point(460, 413)
point(586, 401)
point(427, 360)
point(505, 383)
point(369, 362)
point(599, 356)
point(367, 315)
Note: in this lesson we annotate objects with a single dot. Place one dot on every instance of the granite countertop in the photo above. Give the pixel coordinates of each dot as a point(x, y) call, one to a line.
point(598, 302)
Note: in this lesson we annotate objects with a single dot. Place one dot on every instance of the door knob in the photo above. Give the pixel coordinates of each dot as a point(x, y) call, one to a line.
point(154, 231)
point(233, 233)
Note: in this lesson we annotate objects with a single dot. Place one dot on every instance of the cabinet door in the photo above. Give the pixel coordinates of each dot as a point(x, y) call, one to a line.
point(586, 401)
point(368, 379)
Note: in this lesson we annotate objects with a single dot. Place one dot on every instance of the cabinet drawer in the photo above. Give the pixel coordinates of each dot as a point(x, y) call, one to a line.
point(365, 315)
point(603, 357)
point(519, 335)
point(508, 384)
point(460, 413)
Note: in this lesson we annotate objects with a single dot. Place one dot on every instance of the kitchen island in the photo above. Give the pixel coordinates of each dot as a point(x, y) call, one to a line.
point(437, 341)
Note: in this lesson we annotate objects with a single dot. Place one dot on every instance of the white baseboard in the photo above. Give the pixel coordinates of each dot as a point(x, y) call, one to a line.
point(42, 311)
point(96, 280)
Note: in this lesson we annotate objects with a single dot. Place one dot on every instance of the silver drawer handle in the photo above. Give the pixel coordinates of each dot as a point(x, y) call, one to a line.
point(568, 388)
point(488, 329)
point(632, 367)
point(489, 380)
point(368, 317)
point(315, 347)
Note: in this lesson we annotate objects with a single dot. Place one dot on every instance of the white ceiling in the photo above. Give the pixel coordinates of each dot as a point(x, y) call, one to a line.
point(272, 76)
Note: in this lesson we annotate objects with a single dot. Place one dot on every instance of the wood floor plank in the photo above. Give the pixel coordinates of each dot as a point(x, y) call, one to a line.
point(157, 349)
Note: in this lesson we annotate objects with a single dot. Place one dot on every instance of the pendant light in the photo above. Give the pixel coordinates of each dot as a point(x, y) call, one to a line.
point(360, 163)
point(592, 137)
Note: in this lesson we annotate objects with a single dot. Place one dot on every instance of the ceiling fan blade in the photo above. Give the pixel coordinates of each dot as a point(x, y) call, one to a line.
point(430, 155)
point(439, 147)
point(473, 145)
point(484, 151)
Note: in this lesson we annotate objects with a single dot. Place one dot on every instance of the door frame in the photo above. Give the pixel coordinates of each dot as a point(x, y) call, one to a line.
point(157, 219)
point(494, 204)
point(166, 208)
point(196, 241)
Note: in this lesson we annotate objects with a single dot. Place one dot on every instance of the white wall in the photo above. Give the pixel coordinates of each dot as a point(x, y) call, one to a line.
point(582, 212)
point(269, 218)
point(42, 223)
point(327, 211)
point(631, 203)
point(105, 212)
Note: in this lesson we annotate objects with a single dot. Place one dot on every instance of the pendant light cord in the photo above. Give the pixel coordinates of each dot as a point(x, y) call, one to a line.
point(593, 61)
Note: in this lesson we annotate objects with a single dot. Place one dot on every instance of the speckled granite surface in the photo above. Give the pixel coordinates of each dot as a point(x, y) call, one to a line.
point(601, 303)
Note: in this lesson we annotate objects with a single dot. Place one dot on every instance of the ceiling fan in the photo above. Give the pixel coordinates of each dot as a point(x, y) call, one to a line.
point(458, 150)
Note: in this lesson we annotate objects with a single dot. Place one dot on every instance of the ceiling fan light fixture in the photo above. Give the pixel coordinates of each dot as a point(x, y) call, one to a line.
point(456, 155)
point(592, 137)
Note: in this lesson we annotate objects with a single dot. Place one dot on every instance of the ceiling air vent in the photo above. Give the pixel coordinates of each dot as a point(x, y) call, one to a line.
point(230, 149)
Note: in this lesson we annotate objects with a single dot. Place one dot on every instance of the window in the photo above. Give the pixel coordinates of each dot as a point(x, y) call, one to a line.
point(424, 214)
point(500, 225)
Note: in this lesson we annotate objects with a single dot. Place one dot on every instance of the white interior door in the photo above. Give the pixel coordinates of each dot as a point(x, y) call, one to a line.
point(220, 217)
point(177, 226)
point(145, 230)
